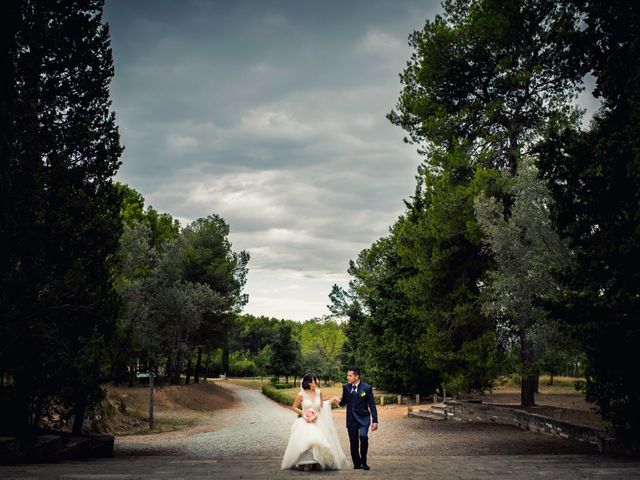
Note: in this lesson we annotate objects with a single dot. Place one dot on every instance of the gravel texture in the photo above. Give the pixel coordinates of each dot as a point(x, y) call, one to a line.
point(259, 428)
point(256, 426)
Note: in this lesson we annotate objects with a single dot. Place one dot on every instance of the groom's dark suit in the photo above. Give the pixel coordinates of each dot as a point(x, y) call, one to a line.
point(361, 407)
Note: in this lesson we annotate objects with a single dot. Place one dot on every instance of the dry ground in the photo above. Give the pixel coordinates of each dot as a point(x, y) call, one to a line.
point(186, 408)
point(560, 401)
point(258, 427)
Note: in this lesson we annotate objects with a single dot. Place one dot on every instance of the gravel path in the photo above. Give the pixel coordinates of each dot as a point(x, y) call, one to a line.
point(259, 428)
point(248, 441)
point(256, 427)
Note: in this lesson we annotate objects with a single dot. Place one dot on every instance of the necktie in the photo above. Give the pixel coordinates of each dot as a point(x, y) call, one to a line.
point(353, 391)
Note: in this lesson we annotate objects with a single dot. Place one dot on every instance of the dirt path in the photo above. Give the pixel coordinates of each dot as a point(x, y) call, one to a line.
point(248, 440)
point(259, 427)
point(254, 426)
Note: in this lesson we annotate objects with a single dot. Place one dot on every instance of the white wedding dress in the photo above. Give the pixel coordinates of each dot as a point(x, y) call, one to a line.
point(314, 443)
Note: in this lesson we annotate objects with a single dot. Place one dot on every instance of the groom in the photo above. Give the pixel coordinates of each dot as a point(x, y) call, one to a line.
point(358, 397)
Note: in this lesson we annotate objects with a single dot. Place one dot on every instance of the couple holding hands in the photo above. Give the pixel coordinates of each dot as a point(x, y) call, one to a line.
point(313, 442)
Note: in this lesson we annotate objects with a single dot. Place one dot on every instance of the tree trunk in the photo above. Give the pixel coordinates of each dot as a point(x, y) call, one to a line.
point(167, 368)
point(176, 365)
point(551, 379)
point(132, 374)
point(78, 414)
point(189, 368)
point(206, 365)
point(151, 395)
point(527, 390)
point(196, 376)
point(536, 387)
point(225, 361)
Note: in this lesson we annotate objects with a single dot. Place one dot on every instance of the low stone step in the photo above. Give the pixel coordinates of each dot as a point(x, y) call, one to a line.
point(77, 448)
point(426, 415)
point(44, 449)
point(438, 407)
point(9, 448)
point(101, 445)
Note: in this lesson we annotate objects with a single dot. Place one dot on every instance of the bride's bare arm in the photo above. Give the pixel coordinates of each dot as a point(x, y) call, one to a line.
point(296, 405)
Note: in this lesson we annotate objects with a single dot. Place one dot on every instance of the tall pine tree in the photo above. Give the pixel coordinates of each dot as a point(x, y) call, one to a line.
point(483, 82)
point(60, 211)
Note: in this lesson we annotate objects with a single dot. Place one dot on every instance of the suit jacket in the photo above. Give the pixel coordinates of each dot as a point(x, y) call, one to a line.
point(361, 407)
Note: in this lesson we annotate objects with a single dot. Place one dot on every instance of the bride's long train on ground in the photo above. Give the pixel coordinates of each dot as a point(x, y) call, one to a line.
point(315, 443)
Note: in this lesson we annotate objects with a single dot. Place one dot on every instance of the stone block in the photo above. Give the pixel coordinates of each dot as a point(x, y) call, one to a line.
point(43, 449)
point(101, 445)
point(76, 448)
point(9, 448)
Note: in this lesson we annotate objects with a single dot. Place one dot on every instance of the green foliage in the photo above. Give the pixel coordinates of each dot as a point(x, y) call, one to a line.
point(180, 289)
point(159, 305)
point(323, 334)
point(557, 350)
point(413, 300)
point(162, 226)
point(60, 225)
point(389, 330)
point(211, 261)
point(241, 365)
point(277, 395)
point(314, 345)
point(252, 334)
point(489, 74)
point(285, 352)
point(595, 180)
point(440, 238)
point(321, 342)
point(527, 250)
point(483, 81)
point(389, 398)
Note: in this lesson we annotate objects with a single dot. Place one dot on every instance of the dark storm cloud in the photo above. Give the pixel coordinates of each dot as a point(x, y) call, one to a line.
point(271, 114)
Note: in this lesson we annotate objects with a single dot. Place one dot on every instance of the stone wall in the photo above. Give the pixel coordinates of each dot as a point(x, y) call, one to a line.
point(480, 412)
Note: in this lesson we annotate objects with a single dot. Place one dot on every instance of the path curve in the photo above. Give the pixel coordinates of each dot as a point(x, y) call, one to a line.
point(255, 427)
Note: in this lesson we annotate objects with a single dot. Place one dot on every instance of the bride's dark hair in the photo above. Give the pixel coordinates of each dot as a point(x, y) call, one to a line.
point(306, 380)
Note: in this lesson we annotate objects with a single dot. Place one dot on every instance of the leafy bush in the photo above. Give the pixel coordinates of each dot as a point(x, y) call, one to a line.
point(278, 395)
point(282, 386)
point(388, 398)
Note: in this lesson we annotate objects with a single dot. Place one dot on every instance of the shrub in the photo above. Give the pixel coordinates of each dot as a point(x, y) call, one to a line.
point(282, 386)
point(278, 395)
point(388, 398)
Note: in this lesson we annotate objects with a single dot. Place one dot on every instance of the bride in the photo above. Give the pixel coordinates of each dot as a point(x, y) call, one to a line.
point(313, 443)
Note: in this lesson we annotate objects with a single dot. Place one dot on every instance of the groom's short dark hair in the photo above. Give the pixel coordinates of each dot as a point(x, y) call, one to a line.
point(354, 369)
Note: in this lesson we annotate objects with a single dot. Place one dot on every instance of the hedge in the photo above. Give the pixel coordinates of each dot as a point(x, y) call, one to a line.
point(282, 386)
point(278, 395)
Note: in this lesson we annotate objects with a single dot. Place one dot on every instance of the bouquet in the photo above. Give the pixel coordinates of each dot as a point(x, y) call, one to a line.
point(310, 416)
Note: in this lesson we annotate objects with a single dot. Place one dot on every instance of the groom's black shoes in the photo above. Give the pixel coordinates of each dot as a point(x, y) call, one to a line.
point(364, 466)
point(357, 467)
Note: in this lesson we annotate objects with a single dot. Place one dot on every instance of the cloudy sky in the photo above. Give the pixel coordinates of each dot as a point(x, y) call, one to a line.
point(272, 115)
